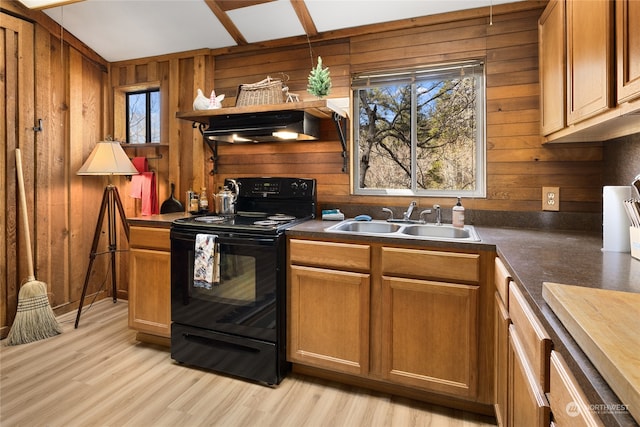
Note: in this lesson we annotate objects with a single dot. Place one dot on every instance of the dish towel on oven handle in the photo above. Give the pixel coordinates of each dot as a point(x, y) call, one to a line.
point(206, 268)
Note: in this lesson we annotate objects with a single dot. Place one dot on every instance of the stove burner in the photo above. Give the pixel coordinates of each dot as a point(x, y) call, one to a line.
point(266, 222)
point(210, 219)
point(281, 217)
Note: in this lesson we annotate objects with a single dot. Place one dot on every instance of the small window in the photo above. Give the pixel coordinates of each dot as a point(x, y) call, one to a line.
point(143, 116)
point(420, 131)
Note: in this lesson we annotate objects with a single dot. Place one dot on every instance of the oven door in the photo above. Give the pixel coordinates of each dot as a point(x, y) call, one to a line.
point(250, 295)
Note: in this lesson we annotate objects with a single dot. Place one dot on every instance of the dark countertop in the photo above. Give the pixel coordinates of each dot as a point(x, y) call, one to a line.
point(160, 220)
point(536, 256)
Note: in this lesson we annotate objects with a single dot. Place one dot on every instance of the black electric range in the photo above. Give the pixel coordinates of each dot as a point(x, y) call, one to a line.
point(235, 322)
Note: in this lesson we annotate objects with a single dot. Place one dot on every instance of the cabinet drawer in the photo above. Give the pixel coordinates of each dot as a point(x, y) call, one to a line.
point(502, 279)
point(535, 340)
point(330, 255)
point(150, 238)
point(425, 264)
point(569, 405)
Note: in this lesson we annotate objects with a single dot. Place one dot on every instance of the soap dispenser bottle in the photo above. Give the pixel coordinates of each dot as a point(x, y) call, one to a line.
point(458, 214)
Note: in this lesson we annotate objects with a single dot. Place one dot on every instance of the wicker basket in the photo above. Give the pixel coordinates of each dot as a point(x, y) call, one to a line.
point(267, 91)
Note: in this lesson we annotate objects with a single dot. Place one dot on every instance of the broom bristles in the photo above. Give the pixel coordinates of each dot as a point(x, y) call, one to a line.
point(35, 319)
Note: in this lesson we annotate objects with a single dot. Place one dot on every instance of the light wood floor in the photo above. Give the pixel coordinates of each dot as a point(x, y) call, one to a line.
point(98, 375)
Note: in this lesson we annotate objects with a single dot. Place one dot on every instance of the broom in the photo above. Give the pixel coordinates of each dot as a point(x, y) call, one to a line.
point(35, 319)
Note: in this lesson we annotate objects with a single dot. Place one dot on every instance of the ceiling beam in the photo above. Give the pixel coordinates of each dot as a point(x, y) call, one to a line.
point(305, 17)
point(226, 22)
point(228, 5)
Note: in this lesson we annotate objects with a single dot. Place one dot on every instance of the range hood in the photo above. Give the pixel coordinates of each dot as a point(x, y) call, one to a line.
point(268, 126)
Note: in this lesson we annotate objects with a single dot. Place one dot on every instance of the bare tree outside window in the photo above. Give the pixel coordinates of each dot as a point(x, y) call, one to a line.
point(143, 117)
point(420, 132)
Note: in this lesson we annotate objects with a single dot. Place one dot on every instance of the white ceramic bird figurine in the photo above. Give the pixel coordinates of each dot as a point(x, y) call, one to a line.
point(215, 101)
point(201, 102)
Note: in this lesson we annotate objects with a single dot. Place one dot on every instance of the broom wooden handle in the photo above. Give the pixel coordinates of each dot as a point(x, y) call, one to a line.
point(25, 219)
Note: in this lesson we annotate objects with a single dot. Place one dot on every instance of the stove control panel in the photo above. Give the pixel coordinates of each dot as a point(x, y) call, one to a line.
point(277, 188)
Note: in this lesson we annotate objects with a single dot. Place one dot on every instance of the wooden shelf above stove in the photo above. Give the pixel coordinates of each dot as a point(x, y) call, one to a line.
point(323, 109)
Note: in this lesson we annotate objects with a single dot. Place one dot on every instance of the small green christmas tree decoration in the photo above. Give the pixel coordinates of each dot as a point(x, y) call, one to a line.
point(319, 80)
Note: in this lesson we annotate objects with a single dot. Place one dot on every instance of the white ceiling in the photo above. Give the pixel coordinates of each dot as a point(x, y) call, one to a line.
point(128, 29)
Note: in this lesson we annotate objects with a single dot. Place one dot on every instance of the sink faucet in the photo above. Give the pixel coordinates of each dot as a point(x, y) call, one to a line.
point(423, 213)
point(389, 211)
point(438, 214)
point(407, 215)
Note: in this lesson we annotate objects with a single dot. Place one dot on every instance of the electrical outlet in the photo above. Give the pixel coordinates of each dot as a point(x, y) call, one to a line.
point(550, 198)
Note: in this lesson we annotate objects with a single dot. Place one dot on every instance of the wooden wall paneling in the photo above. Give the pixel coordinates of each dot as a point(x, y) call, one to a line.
point(4, 221)
point(44, 178)
point(174, 128)
point(56, 129)
point(321, 160)
point(419, 46)
point(517, 141)
point(13, 30)
point(26, 140)
point(198, 159)
point(295, 62)
point(159, 71)
point(188, 135)
point(86, 191)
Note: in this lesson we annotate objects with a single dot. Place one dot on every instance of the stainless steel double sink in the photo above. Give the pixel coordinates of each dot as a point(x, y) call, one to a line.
point(408, 230)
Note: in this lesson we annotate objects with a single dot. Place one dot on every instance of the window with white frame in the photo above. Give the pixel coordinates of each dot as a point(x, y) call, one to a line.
point(420, 131)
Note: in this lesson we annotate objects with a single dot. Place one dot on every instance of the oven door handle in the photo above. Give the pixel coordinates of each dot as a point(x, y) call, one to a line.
point(227, 238)
point(244, 239)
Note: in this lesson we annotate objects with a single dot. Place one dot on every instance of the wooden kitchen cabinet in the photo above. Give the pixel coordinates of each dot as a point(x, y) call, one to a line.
point(535, 340)
point(529, 349)
point(502, 279)
point(329, 319)
point(528, 406)
point(430, 335)
point(552, 48)
point(590, 76)
point(328, 308)
point(628, 49)
point(430, 327)
point(589, 64)
point(568, 402)
point(394, 315)
point(150, 283)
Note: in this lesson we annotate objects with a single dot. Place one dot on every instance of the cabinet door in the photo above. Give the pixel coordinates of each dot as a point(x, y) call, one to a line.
point(552, 53)
point(150, 292)
point(430, 335)
point(590, 61)
point(628, 49)
point(528, 407)
point(501, 361)
point(328, 319)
